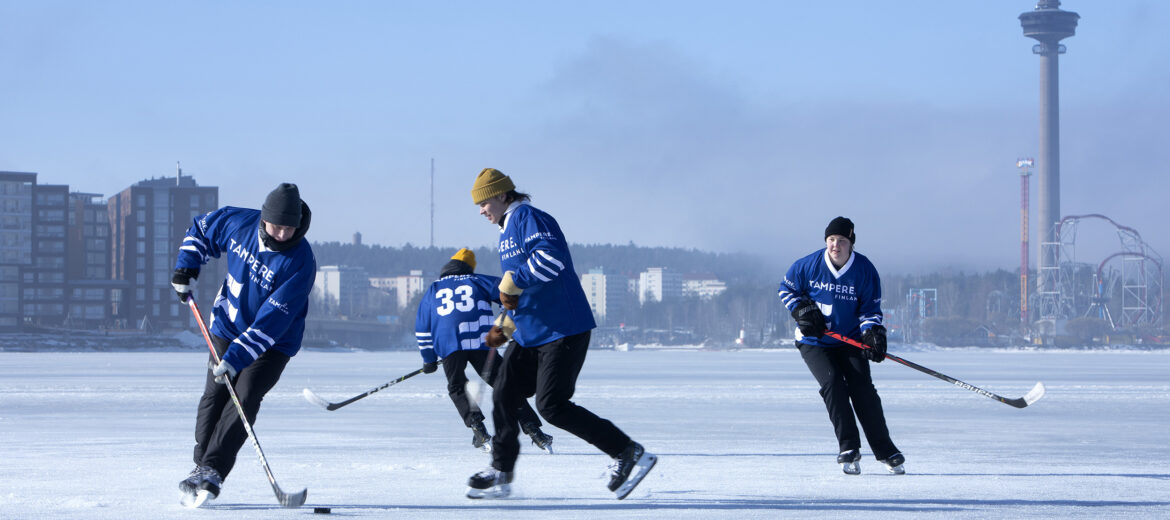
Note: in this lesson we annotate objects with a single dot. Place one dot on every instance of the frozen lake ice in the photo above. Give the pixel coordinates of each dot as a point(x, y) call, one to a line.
point(108, 435)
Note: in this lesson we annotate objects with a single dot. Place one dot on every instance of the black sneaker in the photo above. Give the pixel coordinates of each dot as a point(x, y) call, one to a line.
point(894, 464)
point(490, 483)
point(850, 462)
point(480, 438)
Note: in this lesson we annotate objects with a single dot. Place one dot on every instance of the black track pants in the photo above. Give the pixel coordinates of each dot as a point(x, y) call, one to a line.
point(548, 372)
point(219, 434)
point(848, 390)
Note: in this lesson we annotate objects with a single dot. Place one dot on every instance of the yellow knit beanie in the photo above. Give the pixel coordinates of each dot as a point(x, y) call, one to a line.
point(489, 183)
point(466, 256)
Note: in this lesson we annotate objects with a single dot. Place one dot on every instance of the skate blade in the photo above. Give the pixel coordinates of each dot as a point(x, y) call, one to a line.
point(645, 463)
point(851, 468)
point(486, 448)
point(500, 491)
point(197, 499)
point(896, 470)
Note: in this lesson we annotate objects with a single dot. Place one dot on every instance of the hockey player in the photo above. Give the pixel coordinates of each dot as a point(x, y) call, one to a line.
point(838, 289)
point(257, 319)
point(452, 325)
point(553, 321)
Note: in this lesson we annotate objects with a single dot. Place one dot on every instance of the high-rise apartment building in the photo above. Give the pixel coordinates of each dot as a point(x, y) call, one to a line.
point(608, 295)
point(658, 284)
point(340, 290)
point(42, 292)
point(91, 293)
point(148, 222)
point(16, 244)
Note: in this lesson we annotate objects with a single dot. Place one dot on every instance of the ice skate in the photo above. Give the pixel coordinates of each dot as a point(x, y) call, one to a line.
point(190, 485)
point(489, 483)
point(480, 438)
point(850, 462)
point(894, 464)
point(540, 439)
point(208, 488)
point(629, 468)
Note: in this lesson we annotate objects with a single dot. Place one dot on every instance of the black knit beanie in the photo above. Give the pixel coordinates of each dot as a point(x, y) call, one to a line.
point(456, 267)
point(841, 226)
point(283, 206)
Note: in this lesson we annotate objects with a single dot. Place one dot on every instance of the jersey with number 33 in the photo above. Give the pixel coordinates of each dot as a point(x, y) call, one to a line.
point(455, 314)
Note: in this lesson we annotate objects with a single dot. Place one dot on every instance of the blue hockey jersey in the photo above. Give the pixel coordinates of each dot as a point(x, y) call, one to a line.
point(264, 299)
point(455, 314)
point(553, 304)
point(850, 298)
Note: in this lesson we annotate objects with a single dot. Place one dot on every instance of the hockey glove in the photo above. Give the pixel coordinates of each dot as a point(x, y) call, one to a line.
point(874, 338)
point(809, 318)
point(223, 372)
point(501, 332)
point(430, 368)
point(509, 292)
point(181, 281)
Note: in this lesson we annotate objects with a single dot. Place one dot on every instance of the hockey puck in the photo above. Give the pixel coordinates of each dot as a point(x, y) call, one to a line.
point(322, 510)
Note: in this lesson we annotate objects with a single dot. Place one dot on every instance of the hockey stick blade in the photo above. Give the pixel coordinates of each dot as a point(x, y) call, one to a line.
point(316, 399)
point(292, 501)
point(1033, 395)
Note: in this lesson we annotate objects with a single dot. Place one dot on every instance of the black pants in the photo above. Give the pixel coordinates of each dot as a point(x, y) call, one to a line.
point(455, 366)
point(219, 434)
point(843, 374)
point(548, 372)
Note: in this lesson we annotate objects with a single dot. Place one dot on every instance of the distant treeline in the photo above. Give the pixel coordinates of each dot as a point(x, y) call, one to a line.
point(971, 308)
point(380, 261)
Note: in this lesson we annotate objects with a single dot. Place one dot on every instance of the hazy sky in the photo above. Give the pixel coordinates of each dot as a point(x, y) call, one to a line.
point(724, 126)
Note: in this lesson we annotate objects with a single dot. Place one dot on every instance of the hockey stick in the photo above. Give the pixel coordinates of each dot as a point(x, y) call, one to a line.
point(286, 500)
point(317, 400)
point(1032, 396)
point(474, 390)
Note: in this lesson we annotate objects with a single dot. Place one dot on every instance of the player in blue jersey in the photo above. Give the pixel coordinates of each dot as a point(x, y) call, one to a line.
point(838, 289)
point(453, 325)
point(553, 321)
point(257, 319)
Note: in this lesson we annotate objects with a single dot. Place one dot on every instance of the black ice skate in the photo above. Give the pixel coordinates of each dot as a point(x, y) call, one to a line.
point(480, 438)
point(540, 439)
point(489, 483)
point(850, 462)
point(629, 468)
point(894, 464)
point(208, 488)
point(190, 485)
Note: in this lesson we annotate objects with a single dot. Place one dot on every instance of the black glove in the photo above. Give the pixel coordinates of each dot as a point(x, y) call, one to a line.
point(874, 338)
point(429, 368)
point(181, 281)
point(809, 318)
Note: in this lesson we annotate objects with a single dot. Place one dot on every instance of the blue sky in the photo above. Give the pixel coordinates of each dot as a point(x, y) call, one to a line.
point(742, 126)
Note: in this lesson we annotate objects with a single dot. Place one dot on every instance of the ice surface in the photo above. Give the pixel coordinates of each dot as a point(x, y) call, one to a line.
point(108, 435)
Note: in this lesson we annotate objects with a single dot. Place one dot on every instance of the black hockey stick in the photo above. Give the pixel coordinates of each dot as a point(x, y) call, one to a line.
point(285, 499)
point(317, 400)
point(1032, 396)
